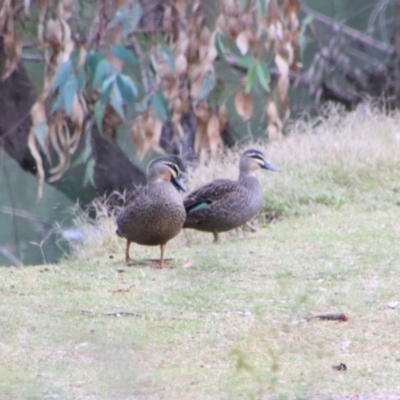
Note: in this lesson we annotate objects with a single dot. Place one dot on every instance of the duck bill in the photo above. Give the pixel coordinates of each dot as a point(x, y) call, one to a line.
point(178, 184)
point(270, 167)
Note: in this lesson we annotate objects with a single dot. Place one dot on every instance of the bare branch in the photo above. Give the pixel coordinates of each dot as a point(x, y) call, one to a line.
point(350, 32)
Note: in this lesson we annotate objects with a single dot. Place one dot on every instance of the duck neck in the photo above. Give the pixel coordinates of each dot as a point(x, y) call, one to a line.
point(248, 180)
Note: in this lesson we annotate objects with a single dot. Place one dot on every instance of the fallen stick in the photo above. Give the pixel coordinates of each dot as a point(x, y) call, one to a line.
point(329, 317)
point(113, 313)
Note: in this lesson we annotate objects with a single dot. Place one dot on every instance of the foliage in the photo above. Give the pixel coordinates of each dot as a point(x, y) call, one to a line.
point(151, 62)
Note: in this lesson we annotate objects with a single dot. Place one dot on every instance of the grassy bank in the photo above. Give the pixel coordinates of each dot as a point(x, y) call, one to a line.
point(228, 321)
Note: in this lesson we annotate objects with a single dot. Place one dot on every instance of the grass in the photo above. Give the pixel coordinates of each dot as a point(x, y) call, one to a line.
point(232, 325)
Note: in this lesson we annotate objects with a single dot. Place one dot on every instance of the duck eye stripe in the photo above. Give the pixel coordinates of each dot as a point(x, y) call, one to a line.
point(257, 156)
point(173, 167)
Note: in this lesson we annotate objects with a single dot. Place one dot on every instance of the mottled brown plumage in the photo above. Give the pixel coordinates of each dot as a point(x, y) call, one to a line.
point(224, 204)
point(154, 214)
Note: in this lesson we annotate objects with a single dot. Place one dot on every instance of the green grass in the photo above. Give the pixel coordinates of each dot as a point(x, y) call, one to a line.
point(232, 325)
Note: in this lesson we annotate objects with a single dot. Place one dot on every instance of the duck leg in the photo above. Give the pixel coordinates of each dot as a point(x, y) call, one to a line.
point(216, 237)
point(127, 258)
point(161, 262)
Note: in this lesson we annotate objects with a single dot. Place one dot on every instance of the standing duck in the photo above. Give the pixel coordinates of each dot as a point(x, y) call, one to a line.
point(224, 204)
point(154, 214)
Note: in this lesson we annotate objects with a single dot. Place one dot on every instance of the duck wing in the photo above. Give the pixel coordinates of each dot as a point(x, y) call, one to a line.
point(209, 194)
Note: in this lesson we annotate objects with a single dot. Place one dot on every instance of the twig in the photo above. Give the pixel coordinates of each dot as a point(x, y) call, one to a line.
point(329, 317)
point(113, 313)
point(122, 290)
point(352, 33)
point(7, 253)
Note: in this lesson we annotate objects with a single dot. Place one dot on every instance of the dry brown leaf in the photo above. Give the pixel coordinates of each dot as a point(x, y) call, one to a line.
point(242, 42)
point(274, 127)
point(230, 8)
point(244, 105)
point(283, 81)
point(136, 137)
point(187, 265)
point(223, 117)
point(39, 163)
point(201, 139)
point(214, 135)
point(181, 64)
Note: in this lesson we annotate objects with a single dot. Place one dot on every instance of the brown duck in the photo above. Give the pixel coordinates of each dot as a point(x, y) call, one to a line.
point(224, 204)
point(154, 214)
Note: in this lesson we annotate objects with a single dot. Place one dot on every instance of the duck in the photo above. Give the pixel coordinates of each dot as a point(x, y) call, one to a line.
point(224, 204)
point(154, 214)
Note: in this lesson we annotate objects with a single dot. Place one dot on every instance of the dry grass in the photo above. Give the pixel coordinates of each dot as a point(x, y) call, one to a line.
point(232, 325)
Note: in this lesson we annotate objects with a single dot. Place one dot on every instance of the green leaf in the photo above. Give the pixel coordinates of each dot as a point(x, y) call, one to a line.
point(263, 76)
point(117, 101)
point(246, 61)
point(160, 105)
point(103, 70)
point(123, 54)
point(250, 77)
point(137, 16)
point(207, 86)
point(153, 63)
point(307, 20)
point(92, 61)
point(128, 90)
point(129, 82)
point(62, 75)
point(106, 88)
point(86, 153)
point(169, 56)
point(41, 131)
point(120, 16)
point(89, 172)
point(68, 93)
point(220, 45)
point(57, 103)
point(81, 78)
point(261, 7)
point(99, 109)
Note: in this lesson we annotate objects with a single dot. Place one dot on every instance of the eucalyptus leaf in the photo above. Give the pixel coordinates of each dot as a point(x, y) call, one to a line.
point(69, 91)
point(92, 61)
point(86, 153)
point(206, 87)
point(160, 105)
point(127, 88)
point(89, 172)
point(220, 45)
point(81, 78)
point(250, 77)
point(106, 88)
point(263, 76)
point(246, 61)
point(103, 70)
point(57, 103)
point(261, 7)
point(137, 16)
point(123, 54)
point(62, 75)
point(117, 101)
point(169, 56)
point(41, 131)
point(99, 109)
point(120, 16)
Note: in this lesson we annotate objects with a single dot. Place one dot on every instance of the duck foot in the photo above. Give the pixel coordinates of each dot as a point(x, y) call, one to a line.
point(158, 262)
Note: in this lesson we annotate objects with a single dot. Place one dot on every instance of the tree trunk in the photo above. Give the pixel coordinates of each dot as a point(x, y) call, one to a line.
point(113, 170)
